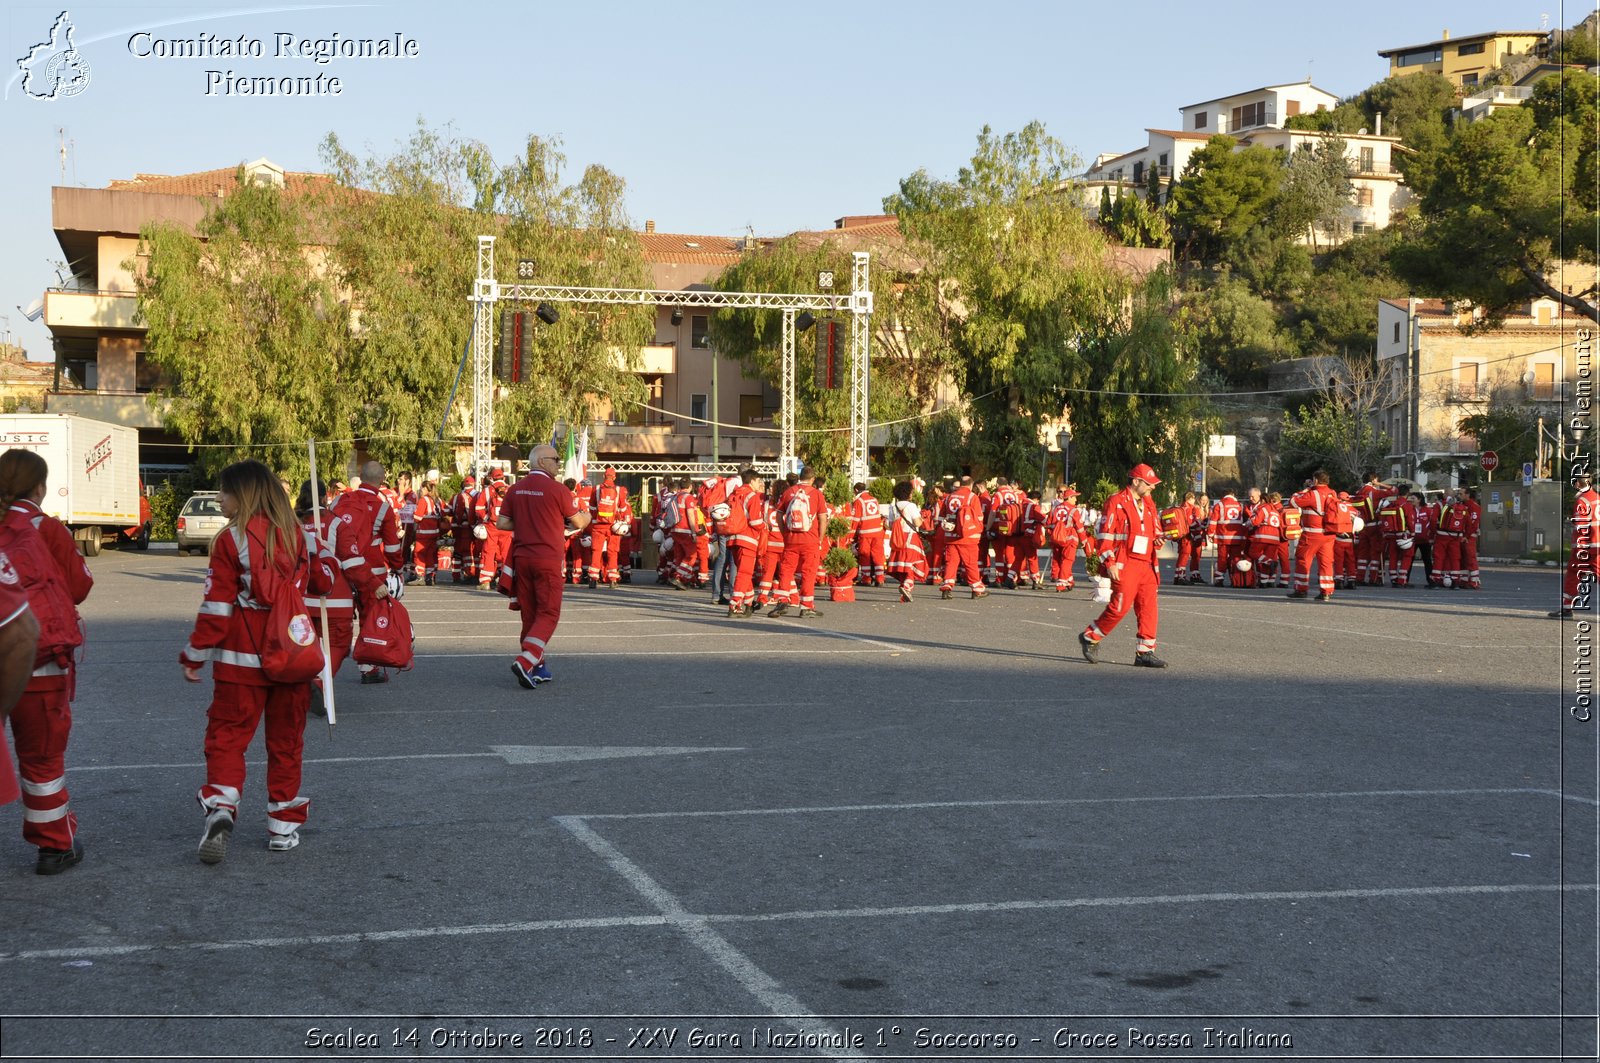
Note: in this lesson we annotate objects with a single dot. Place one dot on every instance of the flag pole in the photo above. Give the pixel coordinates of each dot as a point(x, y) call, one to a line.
point(327, 657)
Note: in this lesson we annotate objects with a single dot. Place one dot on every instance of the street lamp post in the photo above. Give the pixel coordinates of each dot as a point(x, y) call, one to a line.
point(1064, 440)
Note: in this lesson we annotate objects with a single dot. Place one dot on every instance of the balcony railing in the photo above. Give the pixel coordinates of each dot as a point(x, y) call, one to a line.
point(1469, 393)
point(1497, 94)
point(90, 310)
point(1254, 120)
point(1547, 391)
point(1373, 169)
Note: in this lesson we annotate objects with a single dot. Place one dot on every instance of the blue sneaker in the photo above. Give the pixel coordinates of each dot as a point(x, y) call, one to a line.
point(526, 680)
point(542, 674)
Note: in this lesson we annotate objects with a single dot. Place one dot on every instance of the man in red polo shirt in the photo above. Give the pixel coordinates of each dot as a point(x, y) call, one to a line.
point(538, 511)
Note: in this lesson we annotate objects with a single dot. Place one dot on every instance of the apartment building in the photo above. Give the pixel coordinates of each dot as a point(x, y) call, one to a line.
point(1529, 359)
point(1464, 60)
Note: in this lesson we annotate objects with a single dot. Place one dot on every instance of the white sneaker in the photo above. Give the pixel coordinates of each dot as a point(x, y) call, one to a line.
point(214, 842)
point(282, 843)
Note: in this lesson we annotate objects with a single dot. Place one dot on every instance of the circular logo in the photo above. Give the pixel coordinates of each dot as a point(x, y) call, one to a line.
point(8, 575)
point(383, 622)
point(67, 74)
point(301, 631)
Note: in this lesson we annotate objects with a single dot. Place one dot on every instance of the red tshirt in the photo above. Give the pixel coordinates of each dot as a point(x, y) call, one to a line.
point(539, 506)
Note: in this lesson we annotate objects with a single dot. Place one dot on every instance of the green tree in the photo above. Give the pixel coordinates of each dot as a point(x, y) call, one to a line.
point(1222, 194)
point(1233, 330)
point(1335, 431)
point(1580, 45)
point(258, 338)
point(1339, 312)
point(1511, 430)
point(1021, 290)
point(1315, 191)
point(1507, 200)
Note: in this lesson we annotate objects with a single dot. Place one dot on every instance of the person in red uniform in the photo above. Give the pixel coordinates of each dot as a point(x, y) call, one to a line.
point(428, 514)
point(1002, 515)
point(747, 515)
point(377, 534)
point(336, 600)
point(539, 512)
point(767, 590)
point(1399, 519)
point(1316, 502)
point(1227, 528)
point(1064, 528)
point(933, 531)
point(608, 505)
point(1447, 542)
point(1583, 563)
point(1427, 528)
point(1370, 548)
point(866, 527)
point(907, 562)
point(961, 517)
point(468, 547)
point(1189, 554)
point(1469, 540)
point(41, 721)
point(1266, 532)
point(802, 511)
point(1029, 538)
point(497, 547)
point(262, 545)
point(1341, 524)
point(1128, 547)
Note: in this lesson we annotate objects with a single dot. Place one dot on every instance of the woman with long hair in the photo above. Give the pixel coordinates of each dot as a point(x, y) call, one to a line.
point(261, 546)
point(57, 581)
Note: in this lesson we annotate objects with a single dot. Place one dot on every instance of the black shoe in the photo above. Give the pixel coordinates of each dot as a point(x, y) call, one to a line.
point(1148, 659)
point(979, 594)
point(947, 595)
point(1560, 614)
point(594, 584)
point(318, 707)
point(1008, 584)
point(1324, 596)
point(806, 614)
point(55, 861)
point(377, 675)
point(724, 601)
point(427, 581)
point(1090, 648)
point(779, 609)
point(1295, 594)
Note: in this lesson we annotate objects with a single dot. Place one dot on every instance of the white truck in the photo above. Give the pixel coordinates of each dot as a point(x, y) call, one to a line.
point(94, 484)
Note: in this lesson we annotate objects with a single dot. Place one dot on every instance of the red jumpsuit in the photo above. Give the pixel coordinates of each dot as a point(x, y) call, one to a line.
point(427, 548)
point(771, 556)
point(468, 548)
point(961, 517)
point(1131, 538)
point(1399, 519)
point(1341, 524)
point(1370, 552)
point(1227, 527)
point(1004, 520)
point(1583, 564)
point(41, 720)
point(747, 518)
point(866, 526)
point(376, 534)
point(1447, 544)
point(1469, 543)
point(608, 506)
point(1316, 542)
point(229, 633)
point(1026, 543)
point(1266, 522)
point(497, 547)
point(538, 506)
point(907, 562)
point(1064, 528)
point(1193, 545)
point(800, 544)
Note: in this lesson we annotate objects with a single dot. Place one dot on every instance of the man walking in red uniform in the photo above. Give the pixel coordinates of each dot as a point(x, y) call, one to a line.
point(801, 511)
point(866, 526)
point(1065, 530)
point(1128, 549)
point(468, 547)
point(377, 537)
point(537, 512)
point(608, 507)
point(961, 517)
point(1316, 504)
point(1583, 564)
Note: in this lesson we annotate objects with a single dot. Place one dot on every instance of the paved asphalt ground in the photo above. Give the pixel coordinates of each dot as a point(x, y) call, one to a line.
point(1365, 828)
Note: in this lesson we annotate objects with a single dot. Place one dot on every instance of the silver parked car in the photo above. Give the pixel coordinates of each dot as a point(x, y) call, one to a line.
point(199, 521)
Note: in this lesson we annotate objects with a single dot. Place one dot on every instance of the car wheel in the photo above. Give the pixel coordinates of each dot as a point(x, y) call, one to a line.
point(143, 542)
point(183, 551)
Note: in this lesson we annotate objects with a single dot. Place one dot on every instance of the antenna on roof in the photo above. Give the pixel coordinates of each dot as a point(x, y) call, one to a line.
point(1309, 63)
point(1544, 20)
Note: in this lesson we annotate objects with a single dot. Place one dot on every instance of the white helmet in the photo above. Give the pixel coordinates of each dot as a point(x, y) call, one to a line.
point(655, 536)
point(1356, 524)
point(396, 583)
point(480, 531)
point(1448, 582)
point(1243, 564)
point(433, 476)
point(622, 527)
point(1405, 544)
point(586, 541)
point(720, 511)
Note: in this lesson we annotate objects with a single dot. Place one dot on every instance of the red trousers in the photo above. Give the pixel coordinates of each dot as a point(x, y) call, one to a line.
point(1370, 551)
point(539, 605)
point(869, 556)
point(1315, 548)
point(1061, 558)
point(962, 553)
point(1469, 559)
point(496, 551)
point(1136, 590)
point(1188, 566)
point(743, 559)
point(770, 560)
point(1264, 556)
point(40, 725)
point(1345, 566)
point(468, 551)
point(605, 547)
point(939, 547)
point(427, 552)
point(1447, 557)
point(799, 566)
point(236, 711)
point(1400, 562)
point(1026, 553)
point(1228, 551)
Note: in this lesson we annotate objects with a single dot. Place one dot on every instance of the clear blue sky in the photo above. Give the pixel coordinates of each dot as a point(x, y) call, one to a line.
point(718, 114)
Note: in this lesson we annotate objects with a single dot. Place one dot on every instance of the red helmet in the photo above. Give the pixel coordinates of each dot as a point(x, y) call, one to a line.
point(1145, 473)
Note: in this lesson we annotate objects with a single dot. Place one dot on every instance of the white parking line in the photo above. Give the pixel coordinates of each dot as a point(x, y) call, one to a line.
point(731, 651)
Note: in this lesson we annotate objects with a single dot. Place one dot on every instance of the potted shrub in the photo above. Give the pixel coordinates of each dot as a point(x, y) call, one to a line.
point(839, 566)
point(837, 531)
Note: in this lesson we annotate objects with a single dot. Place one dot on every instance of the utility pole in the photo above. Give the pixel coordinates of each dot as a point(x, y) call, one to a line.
point(1414, 339)
point(716, 419)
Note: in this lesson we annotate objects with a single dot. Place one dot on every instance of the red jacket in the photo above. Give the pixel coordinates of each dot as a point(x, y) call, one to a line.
point(1132, 531)
point(373, 521)
point(1005, 511)
point(789, 513)
point(1227, 520)
point(753, 505)
point(428, 516)
point(1065, 523)
point(58, 540)
point(607, 503)
point(1268, 523)
point(1399, 517)
point(230, 629)
point(1314, 502)
point(965, 510)
point(329, 586)
point(866, 518)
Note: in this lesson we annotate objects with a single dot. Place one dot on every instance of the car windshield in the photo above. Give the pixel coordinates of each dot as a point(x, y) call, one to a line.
point(203, 507)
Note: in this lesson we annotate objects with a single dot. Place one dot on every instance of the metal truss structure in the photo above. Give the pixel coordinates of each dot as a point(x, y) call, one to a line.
point(487, 291)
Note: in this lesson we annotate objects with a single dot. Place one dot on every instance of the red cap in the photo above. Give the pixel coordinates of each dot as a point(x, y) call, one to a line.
point(1344, 496)
point(1145, 473)
point(1069, 492)
point(469, 479)
point(498, 474)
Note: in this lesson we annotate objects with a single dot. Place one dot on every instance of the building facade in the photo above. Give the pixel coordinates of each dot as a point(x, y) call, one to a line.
point(1464, 61)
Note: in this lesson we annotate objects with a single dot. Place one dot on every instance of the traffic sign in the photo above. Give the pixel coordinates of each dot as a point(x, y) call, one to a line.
point(1527, 474)
point(1489, 460)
